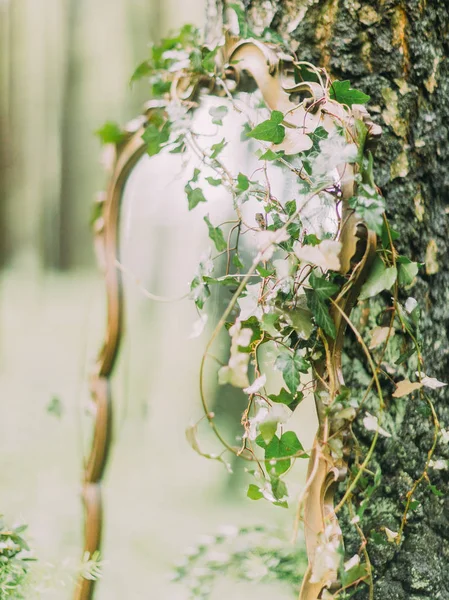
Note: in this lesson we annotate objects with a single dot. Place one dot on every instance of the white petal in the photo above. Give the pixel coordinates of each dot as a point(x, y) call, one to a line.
point(295, 141)
point(352, 562)
point(391, 535)
point(325, 255)
point(431, 382)
point(256, 385)
point(198, 327)
point(372, 424)
point(410, 305)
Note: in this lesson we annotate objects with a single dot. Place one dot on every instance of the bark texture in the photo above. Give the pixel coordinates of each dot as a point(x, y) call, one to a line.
point(396, 51)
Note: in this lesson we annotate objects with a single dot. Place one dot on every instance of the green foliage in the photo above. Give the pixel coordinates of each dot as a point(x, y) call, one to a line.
point(369, 206)
point(323, 288)
point(320, 311)
point(407, 270)
point(342, 92)
point(270, 130)
point(256, 554)
point(291, 365)
point(157, 132)
point(218, 113)
point(111, 133)
point(278, 449)
point(14, 562)
point(55, 407)
point(380, 278)
point(217, 149)
point(216, 235)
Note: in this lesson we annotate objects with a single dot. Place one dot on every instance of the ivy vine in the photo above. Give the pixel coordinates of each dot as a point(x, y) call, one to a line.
point(285, 299)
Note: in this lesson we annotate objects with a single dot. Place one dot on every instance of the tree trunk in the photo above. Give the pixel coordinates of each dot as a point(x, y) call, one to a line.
point(395, 51)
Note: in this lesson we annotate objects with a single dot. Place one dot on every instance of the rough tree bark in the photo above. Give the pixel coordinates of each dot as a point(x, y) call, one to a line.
point(396, 50)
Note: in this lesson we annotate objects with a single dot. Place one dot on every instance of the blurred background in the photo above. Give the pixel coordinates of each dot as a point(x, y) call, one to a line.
point(65, 67)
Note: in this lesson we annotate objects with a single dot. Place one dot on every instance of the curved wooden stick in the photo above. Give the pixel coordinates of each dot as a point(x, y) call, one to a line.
point(107, 232)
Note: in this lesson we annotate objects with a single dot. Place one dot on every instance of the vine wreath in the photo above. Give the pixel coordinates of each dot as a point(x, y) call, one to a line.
point(303, 293)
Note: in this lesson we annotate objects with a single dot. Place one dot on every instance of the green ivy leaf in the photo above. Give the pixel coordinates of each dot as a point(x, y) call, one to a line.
point(217, 148)
point(216, 235)
point(141, 71)
point(237, 262)
point(291, 365)
point(245, 130)
point(324, 289)
point(179, 145)
point(270, 155)
point(208, 63)
point(268, 324)
point(254, 492)
point(270, 130)
point(285, 397)
point(280, 491)
point(266, 273)
point(194, 196)
point(320, 311)
point(304, 73)
point(385, 237)
point(287, 445)
point(290, 207)
point(380, 278)
point(156, 133)
point(214, 182)
point(218, 113)
point(317, 137)
point(111, 133)
point(342, 92)
point(55, 407)
point(242, 182)
point(244, 29)
point(268, 429)
point(435, 491)
point(407, 270)
point(357, 572)
point(370, 206)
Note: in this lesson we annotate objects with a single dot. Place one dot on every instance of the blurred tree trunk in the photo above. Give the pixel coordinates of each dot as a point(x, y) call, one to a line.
point(5, 150)
point(102, 41)
point(396, 51)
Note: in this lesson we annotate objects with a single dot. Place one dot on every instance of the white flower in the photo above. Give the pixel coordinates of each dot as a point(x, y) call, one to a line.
point(249, 305)
point(326, 254)
point(372, 424)
point(391, 535)
point(334, 151)
point(295, 141)
point(445, 436)
point(438, 465)
point(256, 385)
point(236, 371)
point(430, 382)
point(266, 240)
point(327, 556)
point(352, 562)
point(410, 305)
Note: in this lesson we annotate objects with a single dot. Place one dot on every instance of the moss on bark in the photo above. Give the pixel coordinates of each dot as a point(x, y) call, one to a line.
point(396, 51)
